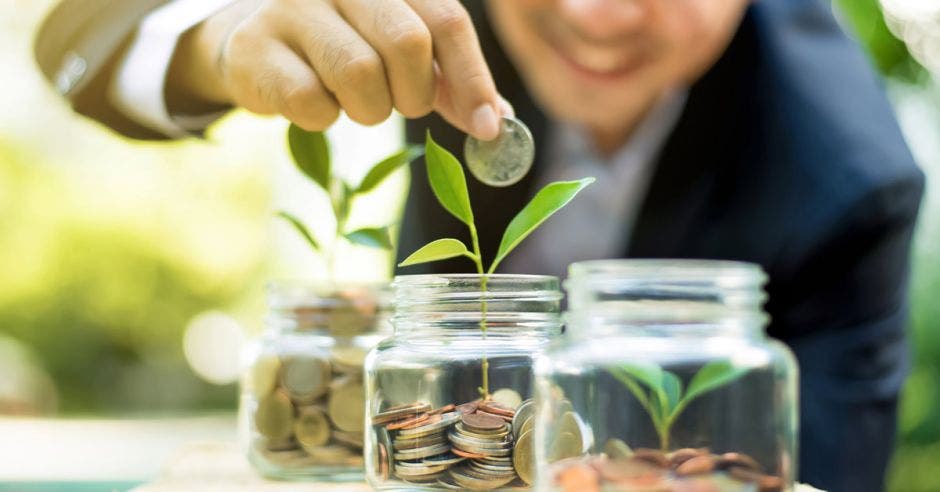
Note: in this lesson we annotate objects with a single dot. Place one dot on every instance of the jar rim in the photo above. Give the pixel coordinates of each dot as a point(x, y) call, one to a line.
point(292, 293)
point(435, 277)
point(743, 273)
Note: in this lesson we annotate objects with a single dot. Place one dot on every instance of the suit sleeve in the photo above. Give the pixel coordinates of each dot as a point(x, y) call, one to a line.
point(847, 305)
point(84, 46)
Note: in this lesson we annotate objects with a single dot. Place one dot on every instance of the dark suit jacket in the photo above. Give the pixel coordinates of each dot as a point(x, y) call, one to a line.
point(787, 155)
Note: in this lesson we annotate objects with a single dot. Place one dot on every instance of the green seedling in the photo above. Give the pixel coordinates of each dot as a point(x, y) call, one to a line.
point(449, 185)
point(663, 397)
point(311, 153)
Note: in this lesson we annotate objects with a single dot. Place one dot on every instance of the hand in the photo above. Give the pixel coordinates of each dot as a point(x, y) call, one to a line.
point(310, 59)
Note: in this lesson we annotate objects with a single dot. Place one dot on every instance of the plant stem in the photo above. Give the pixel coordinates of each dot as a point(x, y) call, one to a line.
point(663, 432)
point(478, 260)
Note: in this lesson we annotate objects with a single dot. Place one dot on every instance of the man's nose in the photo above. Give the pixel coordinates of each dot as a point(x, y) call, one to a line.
point(603, 20)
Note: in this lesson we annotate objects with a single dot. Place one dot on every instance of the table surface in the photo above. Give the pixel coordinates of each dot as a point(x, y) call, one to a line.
point(220, 467)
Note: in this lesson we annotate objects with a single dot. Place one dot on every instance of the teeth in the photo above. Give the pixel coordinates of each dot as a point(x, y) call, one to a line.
point(599, 62)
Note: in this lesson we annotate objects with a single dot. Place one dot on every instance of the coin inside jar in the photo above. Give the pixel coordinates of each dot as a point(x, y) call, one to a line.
point(505, 160)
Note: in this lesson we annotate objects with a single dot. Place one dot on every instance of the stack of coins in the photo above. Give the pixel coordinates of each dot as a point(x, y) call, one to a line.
point(412, 442)
point(485, 438)
point(685, 469)
point(309, 408)
point(467, 446)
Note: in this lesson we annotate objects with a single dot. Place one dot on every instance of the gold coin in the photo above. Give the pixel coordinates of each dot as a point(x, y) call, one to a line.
point(565, 445)
point(274, 417)
point(348, 359)
point(570, 424)
point(262, 376)
point(399, 412)
point(354, 313)
point(527, 425)
point(523, 457)
point(524, 412)
point(305, 378)
point(331, 454)
point(347, 406)
point(312, 428)
point(617, 449)
point(354, 439)
point(507, 397)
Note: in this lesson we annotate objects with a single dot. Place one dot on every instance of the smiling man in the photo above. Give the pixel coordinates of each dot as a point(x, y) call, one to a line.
point(724, 129)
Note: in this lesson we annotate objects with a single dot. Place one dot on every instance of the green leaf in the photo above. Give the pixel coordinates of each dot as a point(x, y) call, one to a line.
point(373, 237)
point(340, 196)
point(311, 153)
point(441, 249)
point(630, 382)
point(545, 203)
point(712, 376)
point(647, 373)
point(672, 388)
point(384, 169)
point(448, 181)
point(301, 228)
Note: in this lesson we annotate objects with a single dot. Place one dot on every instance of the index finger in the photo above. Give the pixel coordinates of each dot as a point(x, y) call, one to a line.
point(460, 58)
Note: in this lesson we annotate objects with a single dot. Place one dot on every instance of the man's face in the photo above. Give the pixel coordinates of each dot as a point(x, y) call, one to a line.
point(602, 63)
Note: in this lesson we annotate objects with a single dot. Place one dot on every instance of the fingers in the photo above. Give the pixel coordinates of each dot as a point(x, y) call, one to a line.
point(271, 78)
point(469, 98)
point(404, 43)
point(311, 58)
point(346, 64)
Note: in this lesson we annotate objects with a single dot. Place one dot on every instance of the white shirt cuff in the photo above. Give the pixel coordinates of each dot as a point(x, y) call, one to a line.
point(137, 86)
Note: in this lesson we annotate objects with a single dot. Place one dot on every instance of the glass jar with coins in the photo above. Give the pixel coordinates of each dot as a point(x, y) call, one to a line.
point(302, 398)
point(450, 391)
point(665, 380)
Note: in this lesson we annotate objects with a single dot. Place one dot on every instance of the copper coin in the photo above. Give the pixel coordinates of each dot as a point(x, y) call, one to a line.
point(383, 462)
point(743, 474)
point(483, 423)
point(728, 460)
point(578, 478)
point(431, 419)
point(468, 407)
point(651, 456)
point(488, 414)
point(401, 424)
point(445, 409)
point(465, 454)
point(680, 456)
point(497, 408)
point(696, 466)
point(770, 483)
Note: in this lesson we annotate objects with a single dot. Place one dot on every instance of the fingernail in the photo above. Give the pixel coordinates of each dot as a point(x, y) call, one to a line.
point(485, 123)
point(506, 108)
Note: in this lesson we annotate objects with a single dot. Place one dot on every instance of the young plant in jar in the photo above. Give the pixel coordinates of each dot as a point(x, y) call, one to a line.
point(662, 395)
point(302, 389)
point(463, 444)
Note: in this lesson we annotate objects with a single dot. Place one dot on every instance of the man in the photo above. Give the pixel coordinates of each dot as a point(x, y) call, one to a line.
point(729, 129)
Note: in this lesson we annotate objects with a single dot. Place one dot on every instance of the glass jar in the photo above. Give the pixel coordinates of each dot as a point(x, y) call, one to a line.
point(302, 400)
point(443, 392)
point(665, 380)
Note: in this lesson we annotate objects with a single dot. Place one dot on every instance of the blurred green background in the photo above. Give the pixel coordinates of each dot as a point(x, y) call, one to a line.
point(119, 259)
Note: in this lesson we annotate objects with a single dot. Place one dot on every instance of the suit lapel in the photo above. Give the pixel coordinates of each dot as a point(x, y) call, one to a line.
point(705, 141)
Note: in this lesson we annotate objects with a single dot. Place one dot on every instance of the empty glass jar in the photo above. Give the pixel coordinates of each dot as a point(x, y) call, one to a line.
point(447, 393)
point(665, 381)
point(302, 398)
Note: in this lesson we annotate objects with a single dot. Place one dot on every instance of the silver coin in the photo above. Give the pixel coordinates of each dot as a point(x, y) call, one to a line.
point(425, 452)
point(504, 160)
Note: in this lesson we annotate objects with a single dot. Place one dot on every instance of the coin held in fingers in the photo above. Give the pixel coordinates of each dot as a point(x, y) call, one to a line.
point(505, 160)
